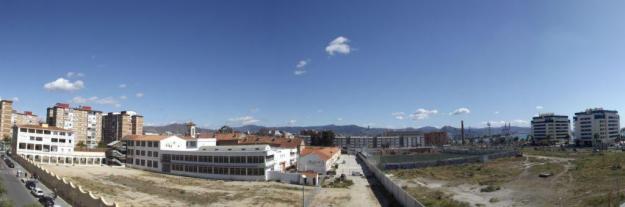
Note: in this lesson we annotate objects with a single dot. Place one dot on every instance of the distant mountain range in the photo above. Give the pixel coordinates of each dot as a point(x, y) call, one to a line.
point(347, 130)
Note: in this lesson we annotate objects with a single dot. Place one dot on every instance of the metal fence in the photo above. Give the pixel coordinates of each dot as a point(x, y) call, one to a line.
point(403, 197)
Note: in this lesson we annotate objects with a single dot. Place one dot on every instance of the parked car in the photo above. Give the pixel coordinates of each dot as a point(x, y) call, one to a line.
point(31, 184)
point(46, 201)
point(37, 192)
point(356, 173)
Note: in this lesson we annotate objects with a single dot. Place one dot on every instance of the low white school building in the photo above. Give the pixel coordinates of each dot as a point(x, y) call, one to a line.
point(201, 157)
point(318, 159)
point(53, 145)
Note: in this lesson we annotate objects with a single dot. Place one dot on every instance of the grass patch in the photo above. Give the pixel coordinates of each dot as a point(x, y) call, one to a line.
point(555, 152)
point(337, 183)
point(434, 198)
point(494, 172)
point(548, 167)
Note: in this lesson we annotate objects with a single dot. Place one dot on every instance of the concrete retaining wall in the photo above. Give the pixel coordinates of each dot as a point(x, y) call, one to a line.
point(70, 192)
point(400, 194)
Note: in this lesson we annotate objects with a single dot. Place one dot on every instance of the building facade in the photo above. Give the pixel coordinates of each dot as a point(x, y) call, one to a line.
point(357, 142)
point(201, 157)
point(6, 112)
point(116, 126)
point(549, 128)
point(26, 118)
point(596, 125)
point(435, 138)
point(46, 144)
point(83, 121)
point(318, 159)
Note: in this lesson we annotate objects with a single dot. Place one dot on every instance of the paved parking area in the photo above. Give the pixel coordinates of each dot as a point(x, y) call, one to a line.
point(359, 194)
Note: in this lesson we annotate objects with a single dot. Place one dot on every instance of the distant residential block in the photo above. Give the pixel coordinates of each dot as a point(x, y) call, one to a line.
point(85, 122)
point(548, 127)
point(597, 122)
point(6, 112)
point(117, 125)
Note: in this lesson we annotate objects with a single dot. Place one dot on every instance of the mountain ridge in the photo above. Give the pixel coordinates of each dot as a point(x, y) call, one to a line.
point(347, 130)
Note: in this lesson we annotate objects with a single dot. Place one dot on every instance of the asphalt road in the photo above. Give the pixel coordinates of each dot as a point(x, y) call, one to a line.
point(17, 191)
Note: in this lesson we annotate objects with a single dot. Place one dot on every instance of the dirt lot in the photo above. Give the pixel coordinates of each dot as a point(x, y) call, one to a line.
point(578, 179)
point(130, 187)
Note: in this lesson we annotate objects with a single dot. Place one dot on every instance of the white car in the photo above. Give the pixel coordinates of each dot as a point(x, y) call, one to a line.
point(37, 192)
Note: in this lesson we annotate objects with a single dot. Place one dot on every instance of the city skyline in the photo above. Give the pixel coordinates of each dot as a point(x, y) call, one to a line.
point(303, 64)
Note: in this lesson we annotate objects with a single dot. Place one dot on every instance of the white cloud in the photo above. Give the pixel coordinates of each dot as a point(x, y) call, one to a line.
point(300, 67)
point(421, 114)
point(496, 112)
point(82, 100)
point(399, 115)
point(244, 120)
point(73, 74)
point(539, 107)
point(123, 85)
point(299, 72)
point(339, 119)
point(94, 99)
point(459, 111)
point(339, 45)
point(16, 99)
point(139, 95)
point(62, 84)
point(302, 63)
point(292, 122)
point(123, 97)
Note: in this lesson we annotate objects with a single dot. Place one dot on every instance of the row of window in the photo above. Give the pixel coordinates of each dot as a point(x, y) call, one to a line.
point(215, 159)
point(143, 143)
point(40, 147)
point(41, 131)
point(218, 170)
point(140, 162)
point(143, 153)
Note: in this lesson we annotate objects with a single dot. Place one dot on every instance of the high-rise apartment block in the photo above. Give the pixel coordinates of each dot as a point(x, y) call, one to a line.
point(83, 121)
point(26, 118)
point(6, 112)
point(549, 128)
point(596, 125)
point(120, 124)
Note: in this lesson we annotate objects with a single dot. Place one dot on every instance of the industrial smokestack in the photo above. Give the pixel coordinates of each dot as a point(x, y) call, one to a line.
point(462, 131)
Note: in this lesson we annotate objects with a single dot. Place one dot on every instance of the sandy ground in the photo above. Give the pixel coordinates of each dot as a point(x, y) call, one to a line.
point(357, 195)
point(527, 189)
point(130, 187)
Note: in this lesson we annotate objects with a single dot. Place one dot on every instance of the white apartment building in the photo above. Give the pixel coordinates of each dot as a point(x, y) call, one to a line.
point(548, 127)
point(597, 122)
point(46, 144)
point(201, 157)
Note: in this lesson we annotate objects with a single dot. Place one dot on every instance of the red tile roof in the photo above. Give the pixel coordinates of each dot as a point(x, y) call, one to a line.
point(324, 153)
point(272, 141)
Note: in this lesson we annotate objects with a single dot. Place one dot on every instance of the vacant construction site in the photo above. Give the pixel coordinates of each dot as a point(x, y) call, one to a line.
point(130, 187)
point(543, 177)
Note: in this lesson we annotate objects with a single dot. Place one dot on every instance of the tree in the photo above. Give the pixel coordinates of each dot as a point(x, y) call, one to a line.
point(225, 130)
point(81, 144)
point(101, 144)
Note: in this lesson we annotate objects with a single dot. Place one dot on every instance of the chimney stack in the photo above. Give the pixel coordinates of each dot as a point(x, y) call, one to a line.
point(462, 130)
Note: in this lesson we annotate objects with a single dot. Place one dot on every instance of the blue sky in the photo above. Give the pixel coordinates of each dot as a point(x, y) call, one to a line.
point(275, 63)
